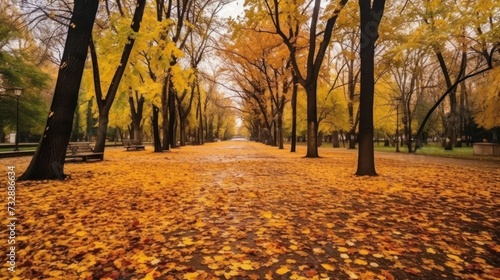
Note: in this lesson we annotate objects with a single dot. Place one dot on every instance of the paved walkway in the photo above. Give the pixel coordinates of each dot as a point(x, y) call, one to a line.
point(244, 210)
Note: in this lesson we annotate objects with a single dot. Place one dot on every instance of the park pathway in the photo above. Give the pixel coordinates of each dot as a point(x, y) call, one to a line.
point(243, 210)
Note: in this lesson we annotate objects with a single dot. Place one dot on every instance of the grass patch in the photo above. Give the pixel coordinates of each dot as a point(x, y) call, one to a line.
point(3, 149)
point(432, 149)
point(438, 151)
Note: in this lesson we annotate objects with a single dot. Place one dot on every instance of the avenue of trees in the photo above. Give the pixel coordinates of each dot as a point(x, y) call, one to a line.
point(348, 72)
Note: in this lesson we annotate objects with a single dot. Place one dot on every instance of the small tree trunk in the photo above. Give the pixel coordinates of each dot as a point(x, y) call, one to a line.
point(164, 112)
point(335, 139)
point(312, 122)
point(280, 129)
point(136, 114)
point(105, 104)
point(351, 138)
point(172, 118)
point(294, 114)
point(156, 131)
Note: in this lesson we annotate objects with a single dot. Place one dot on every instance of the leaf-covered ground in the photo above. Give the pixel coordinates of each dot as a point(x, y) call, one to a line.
point(244, 210)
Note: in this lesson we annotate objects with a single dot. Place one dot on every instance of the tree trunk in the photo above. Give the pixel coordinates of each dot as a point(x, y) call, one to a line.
point(312, 122)
point(105, 104)
point(370, 19)
point(182, 131)
point(452, 122)
point(136, 114)
point(294, 114)
point(164, 112)
point(102, 131)
point(156, 131)
point(280, 128)
point(407, 123)
point(48, 161)
point(351, 138)
point(172, 118)
point(89, 120)
point(335, 139)
point(75, 133)
point(200, 124)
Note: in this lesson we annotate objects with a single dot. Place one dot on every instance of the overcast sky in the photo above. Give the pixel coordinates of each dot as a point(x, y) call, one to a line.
point(233, 9)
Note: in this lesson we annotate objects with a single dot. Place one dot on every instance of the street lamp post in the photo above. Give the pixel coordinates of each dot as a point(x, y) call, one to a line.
point(398, 99)
point(17, 94)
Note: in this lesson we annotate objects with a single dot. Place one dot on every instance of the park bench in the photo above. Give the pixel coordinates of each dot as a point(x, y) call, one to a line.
point(132, 144)
point(486, 149)
point(83, 151)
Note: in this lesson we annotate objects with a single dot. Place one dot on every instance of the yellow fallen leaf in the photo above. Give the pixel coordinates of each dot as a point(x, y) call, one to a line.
point(318, 251)
point(452, 265)
point(191, 275)
point(267, 214)
point(149, 276)
point(199, 223)
point(187, 241)
point(81, 233)
point(226, 248)
point(99, 244)
point(343, 249)
point(352, 275)
point(282, 270)
point(465, 218)
point(364, 252)
point(328, 267)
point(230, 274)
point(360, 262)
point(430, 251)
point(480, 260)
point(378, 256)
point(219, 258)
point(140, 257)
point(293, 247)
point(117, 263)
point(455, 258)
point(246, 266)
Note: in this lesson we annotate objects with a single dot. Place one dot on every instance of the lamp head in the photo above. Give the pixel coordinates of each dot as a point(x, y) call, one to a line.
point(2, 89)
point(17, 91)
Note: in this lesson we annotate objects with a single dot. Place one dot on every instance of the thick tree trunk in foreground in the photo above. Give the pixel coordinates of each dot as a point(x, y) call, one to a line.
point(370, 19)
point(48, 161)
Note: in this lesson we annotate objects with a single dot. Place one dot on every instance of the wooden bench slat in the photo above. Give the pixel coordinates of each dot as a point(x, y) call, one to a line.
point(132, 144)
point(83, 151)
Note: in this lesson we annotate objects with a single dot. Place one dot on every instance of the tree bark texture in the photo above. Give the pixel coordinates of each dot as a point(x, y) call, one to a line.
point(156, 130)
point(48, 161)
point(104, 104)
point(369, 23)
